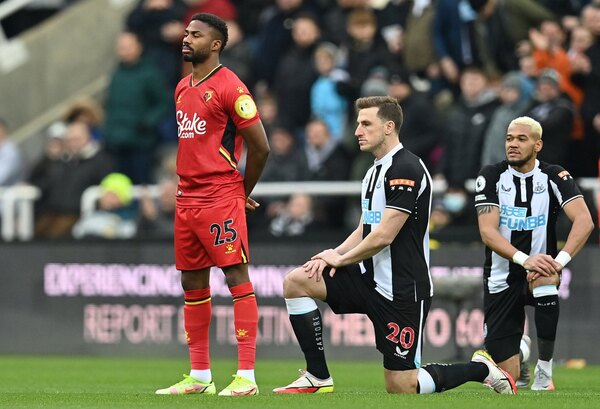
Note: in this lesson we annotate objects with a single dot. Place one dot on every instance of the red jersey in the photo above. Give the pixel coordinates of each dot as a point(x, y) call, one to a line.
point(209, 116)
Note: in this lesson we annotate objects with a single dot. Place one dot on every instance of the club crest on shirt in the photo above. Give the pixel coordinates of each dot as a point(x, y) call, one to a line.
point(245, 106)
point(179, 99)
point(208, 95)
point(240, 90)
point(539, 188)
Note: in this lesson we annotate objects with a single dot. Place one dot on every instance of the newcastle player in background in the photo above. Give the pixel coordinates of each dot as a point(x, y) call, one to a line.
point(518, 201)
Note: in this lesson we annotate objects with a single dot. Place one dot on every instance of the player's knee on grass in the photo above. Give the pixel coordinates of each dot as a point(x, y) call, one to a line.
point(400, 381)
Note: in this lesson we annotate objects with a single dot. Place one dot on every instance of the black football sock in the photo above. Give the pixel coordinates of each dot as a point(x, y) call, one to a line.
point(309, 332)
point(547, 310)
point(450, 376)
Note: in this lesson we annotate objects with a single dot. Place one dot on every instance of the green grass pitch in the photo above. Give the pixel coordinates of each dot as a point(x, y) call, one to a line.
point(109, 383)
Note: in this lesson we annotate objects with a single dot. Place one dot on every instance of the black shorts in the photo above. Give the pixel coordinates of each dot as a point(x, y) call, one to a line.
point(398, 325)
point(505, 319)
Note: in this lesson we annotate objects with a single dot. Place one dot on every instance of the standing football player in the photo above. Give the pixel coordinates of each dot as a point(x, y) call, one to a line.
point(215, 115)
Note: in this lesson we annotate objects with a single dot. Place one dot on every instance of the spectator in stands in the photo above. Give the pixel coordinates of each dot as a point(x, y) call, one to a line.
point(253, 11)
point(590, 17)
point(54, 150)
point(514, 103)
point(493, 50)
point(287, 163)
point(327, 161)
point(267, 106)
point(588, 81)
point(115, 217)
point(237, 56)
point(335, 19)
point(295, 75)
point(376, 84)
point(11, 161)
point(364, 51)
point(421, 133)
point(506, 24)
point(296, 218)
point(157, 214)
point(564, 8)
point(158, 25)
point(221, 8)
point(582, 160)
point(275, 36)
point(137, 102)
point(549, 52)
point(455, 39)
point(325, 101)
point(556, 113)
point(581, 39)
point(88, 111)
point(528, 74)
point(82, 164)
point(465, 126)
point(419, 54)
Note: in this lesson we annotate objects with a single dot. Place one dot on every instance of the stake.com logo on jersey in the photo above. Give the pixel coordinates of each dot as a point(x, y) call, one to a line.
point(514, 218)
point(188, 128)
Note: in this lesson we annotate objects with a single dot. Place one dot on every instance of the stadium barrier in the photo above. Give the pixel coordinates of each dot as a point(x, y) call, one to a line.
point(17, 201)
point(117, 298)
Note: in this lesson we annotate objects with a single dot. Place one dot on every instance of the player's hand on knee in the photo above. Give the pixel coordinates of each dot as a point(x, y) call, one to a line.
point(315, 268)
point(330, 256)
point(541, 265)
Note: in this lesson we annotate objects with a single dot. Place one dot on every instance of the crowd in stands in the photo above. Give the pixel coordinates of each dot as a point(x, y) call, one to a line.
point(461, 70)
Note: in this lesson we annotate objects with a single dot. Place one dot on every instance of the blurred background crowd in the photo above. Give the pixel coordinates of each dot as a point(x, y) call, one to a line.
point(461, 70)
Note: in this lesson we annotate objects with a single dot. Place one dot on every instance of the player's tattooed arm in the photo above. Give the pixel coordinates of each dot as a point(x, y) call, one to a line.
point(484, 209)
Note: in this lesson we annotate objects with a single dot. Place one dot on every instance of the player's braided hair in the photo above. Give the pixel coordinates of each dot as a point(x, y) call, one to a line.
point(217, 23)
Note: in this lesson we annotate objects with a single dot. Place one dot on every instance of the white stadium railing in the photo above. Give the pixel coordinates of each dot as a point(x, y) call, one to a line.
point(17, 202)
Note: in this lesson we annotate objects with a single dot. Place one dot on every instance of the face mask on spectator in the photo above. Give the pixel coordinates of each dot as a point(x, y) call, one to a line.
point(454, 202)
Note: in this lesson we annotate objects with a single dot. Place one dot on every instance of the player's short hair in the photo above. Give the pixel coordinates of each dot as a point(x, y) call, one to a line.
point(536, 127)
point(217, 23)
point(389, 109)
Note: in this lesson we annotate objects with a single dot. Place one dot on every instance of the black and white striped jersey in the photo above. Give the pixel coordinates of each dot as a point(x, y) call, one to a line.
point(399, 181)
point(529, 205)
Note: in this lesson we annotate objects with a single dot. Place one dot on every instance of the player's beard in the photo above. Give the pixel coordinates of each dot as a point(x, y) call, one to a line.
point(520, 162)
point(197, 57)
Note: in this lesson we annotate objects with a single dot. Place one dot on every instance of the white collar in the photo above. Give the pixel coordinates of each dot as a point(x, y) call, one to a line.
point(524, 175)
point(389, 155)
